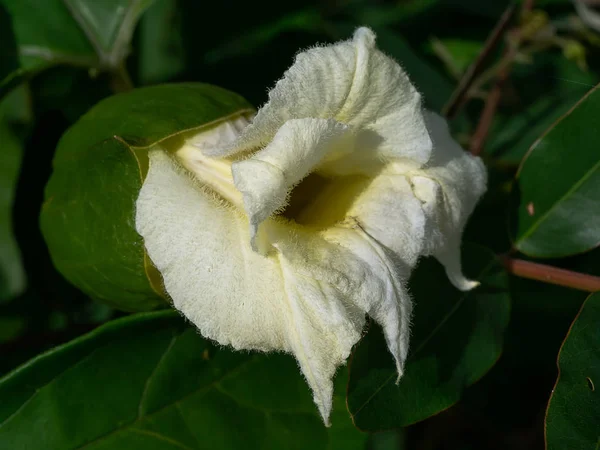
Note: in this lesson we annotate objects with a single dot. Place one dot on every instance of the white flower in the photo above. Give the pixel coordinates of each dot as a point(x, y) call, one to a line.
point(282, 233)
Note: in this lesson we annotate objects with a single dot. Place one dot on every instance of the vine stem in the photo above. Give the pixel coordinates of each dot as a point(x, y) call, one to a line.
point(120, 81)
point(551, 275)
point(460, 95)
point(493, 99)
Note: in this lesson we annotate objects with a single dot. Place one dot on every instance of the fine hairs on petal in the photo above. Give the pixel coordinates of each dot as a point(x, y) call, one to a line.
point(253, 270)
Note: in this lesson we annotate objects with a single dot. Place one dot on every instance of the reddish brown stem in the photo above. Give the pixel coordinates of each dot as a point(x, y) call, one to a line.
point(552, 275)
point(459, 96)
point(493, 99)
point(491, 105)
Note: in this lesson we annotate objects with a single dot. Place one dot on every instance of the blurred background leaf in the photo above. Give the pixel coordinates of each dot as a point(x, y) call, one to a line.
point(82, 33)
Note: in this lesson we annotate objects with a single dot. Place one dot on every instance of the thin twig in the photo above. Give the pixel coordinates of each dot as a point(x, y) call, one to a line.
point(120, 81)
point(552, 275)
point(460, 93)
point(491, 104)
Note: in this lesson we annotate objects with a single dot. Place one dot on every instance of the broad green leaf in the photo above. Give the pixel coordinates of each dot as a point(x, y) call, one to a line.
point(87, 33)
point(573, 414)
point(456, 338)
point(88, 216)
point(149, 381)
point(559, 186)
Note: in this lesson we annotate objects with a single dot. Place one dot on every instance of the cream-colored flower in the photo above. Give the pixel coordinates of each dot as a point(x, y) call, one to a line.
point(281, 233)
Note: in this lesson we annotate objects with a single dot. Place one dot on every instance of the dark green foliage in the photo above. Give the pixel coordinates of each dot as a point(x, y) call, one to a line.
point(482, 364)
point(150, 381)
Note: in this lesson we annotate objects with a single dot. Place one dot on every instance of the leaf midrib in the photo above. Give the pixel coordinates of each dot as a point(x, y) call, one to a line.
point(105, 56)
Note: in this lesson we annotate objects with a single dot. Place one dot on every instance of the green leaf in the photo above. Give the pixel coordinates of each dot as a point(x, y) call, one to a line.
point(457, 338)
point(573, 414)
point(88, 216)
point(88, 33)
point(149, 381)
point(559, 186)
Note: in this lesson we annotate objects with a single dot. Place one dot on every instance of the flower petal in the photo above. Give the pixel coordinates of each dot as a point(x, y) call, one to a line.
point(381, 294)
point(449, 187)
point(323, 321)
point(332, 280)
point(354, 83)
point(220, 136)
point(389, 212)
point(200, 245)
point(266, 178)
point(308, 296)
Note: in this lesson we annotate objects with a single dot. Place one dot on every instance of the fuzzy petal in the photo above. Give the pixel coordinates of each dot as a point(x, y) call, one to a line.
point(308, 296)
point(389, 212)
point(335, 279)
point(382, 294)
point(266, 178)
point(323, 322)
point(220, 136)
point(449, 187)
point(200, 245)
point(354, 83)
